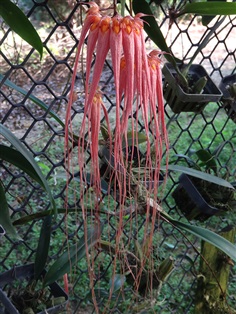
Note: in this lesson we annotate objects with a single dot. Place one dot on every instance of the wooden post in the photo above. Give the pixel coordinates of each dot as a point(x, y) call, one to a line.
point(212, 283)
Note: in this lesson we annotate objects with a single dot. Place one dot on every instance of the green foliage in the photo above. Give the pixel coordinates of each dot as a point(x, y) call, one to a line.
point(69, 258)
point(20, 24)
point(208, 8)
point(5, 220)
point(201, 175)
point(24, 160)
point(43, 246)
point(20, 157)
point(34, 99)
point(204, 234)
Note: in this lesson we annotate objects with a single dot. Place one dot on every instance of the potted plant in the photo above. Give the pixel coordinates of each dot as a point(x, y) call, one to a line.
point(23, 294)
point(187, 86)
point(228, 88)
point(27, 294)
point(197, 197)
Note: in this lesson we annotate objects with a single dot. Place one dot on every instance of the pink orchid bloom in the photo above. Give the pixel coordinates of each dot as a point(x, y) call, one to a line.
point(139, 107)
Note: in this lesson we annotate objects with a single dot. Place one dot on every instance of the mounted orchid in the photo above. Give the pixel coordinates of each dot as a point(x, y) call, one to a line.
point(138, 101)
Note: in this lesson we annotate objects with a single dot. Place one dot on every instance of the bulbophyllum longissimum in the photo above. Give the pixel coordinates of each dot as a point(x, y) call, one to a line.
point(139, 97)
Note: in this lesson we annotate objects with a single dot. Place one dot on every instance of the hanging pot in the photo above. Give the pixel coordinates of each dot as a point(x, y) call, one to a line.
point(179, 100)
point(228, 88)
point(13, 302)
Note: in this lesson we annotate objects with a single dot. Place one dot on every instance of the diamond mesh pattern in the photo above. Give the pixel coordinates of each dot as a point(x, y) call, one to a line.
point(59, 25)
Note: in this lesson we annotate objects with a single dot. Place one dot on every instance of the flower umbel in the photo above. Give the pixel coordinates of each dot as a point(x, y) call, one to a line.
point(133, 151)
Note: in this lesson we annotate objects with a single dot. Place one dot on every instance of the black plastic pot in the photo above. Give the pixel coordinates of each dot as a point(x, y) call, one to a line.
point(194, 198)
point(25, 273)
point(229, 98)
point(179, 100)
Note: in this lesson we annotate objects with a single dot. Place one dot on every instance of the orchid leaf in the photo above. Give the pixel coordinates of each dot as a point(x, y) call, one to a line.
point(199, 174)
point(207, 159)
point(132, 139)
point(5, 219)
point(42, 214)
point(15, 158)
point(26, 155)
point(206, 19)
point(43, 247)
point(209, 236)
point(20, 24)
point(69, 258)
point(209, 8)
point(187, 159)
point(34, 99)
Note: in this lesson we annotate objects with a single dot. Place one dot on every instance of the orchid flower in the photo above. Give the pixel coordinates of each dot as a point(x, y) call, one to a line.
point(139, 106)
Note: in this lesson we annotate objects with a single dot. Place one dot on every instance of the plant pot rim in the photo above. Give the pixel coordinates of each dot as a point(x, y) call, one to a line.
point(215, 95)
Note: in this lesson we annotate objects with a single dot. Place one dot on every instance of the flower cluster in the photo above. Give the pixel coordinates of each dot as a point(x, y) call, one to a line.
point(137, 78)
point(139, 106)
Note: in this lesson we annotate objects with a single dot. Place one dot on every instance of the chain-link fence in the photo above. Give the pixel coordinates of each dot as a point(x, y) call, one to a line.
point(30, 90)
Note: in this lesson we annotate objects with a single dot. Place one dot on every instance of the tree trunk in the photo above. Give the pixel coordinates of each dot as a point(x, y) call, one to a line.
point(212, 283)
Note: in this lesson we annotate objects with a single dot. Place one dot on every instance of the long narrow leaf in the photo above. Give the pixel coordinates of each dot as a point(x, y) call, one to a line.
point(209, 236)
point(68, 259)
point(27, 155)
point(199, 174)
point(34, 99)
point(206, 19)
point(40, 215)
point(43, 247)
point(17, 159)
point(5, 219)
point(207, 159)
point(20, 24)
point(209, 8)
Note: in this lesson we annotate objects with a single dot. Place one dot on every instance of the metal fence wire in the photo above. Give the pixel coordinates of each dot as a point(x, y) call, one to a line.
point(26, 83)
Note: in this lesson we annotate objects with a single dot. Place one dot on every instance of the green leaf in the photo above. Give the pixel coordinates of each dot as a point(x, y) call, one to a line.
point(5, 219)
point(209, 236)
point(69, 258)
point(43, 247)
point(16, 143)
point(187, 159)
point(117, 282)
point(152, 29)
point(199, 174)
point(141, 138)
point(17, 159)
point(207, 159)
point(20, 24)
point(42, 214)
point(206, 19)
point(209, 8)
point(34, 99)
